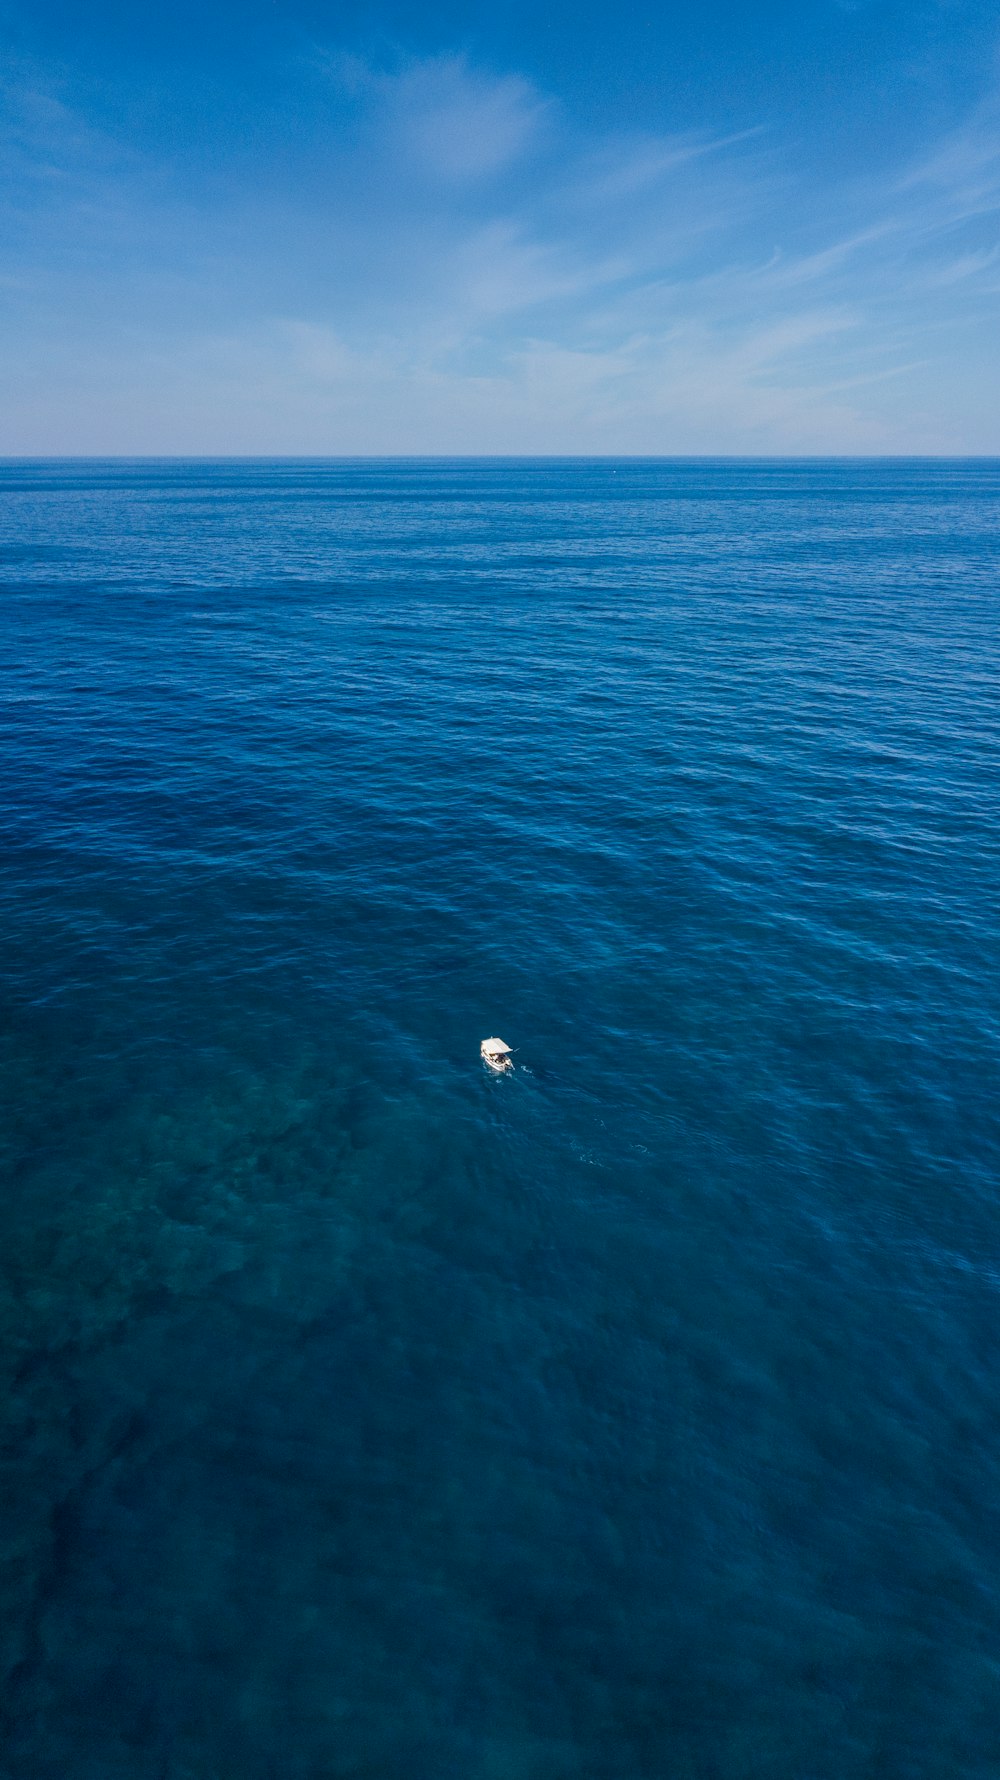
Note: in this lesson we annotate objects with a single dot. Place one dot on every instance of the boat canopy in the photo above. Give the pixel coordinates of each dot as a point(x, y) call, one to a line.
point(494, 1047)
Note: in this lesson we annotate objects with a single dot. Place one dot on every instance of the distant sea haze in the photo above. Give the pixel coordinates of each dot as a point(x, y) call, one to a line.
point(631, 1415)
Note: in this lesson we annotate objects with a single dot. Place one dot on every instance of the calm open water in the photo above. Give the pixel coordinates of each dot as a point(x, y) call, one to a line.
point(632, 1417)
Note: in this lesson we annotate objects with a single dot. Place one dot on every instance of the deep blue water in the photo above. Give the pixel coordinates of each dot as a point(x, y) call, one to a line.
point(368, 1417)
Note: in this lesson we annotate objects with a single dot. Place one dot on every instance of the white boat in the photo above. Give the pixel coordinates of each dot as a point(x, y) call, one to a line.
point(496, 1054)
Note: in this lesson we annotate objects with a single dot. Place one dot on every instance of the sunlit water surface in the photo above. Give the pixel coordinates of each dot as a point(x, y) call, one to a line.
point(632, 1417)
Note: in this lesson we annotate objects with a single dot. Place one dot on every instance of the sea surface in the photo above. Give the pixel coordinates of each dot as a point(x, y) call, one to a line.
point(633, 1416)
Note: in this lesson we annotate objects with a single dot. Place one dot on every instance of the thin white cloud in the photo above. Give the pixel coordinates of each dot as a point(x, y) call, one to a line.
point(958, 178)
point(624, 167)
point(474, 273)
point(963, 268)
point(463, 126)
point(445, 118)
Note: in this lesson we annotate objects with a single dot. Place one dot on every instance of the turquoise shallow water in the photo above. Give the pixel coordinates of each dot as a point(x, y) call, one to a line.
point(634, 1415)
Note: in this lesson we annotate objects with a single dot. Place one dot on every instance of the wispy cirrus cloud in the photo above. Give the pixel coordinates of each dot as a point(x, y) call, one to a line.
point(960, 175)
point(453, 263)
point(440, 116)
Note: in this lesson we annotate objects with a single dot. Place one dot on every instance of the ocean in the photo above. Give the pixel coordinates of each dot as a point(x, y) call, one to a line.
point(631, 1416)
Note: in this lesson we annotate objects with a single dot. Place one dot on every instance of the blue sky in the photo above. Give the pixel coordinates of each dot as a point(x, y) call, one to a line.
point(560, 228)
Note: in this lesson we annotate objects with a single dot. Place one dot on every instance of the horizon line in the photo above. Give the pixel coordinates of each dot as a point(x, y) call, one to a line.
point(51, 457)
